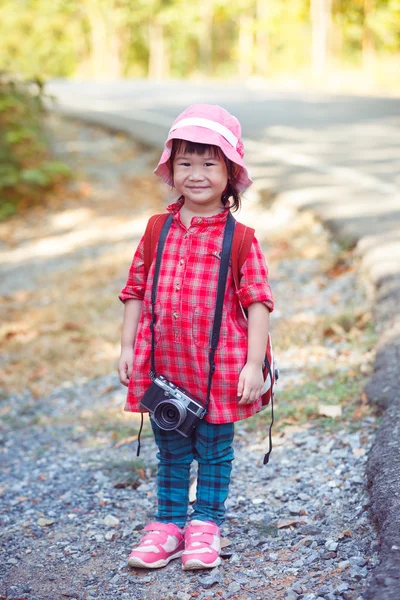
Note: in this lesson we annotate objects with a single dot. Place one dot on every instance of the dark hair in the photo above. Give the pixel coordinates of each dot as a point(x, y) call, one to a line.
point(196, 148)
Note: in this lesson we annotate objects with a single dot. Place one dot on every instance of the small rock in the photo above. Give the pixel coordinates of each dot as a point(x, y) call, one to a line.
point(350, 595)
point(110, 536)
point(294, 509)
point(310, 530)
point(42, 522)
point(273, 557)
point(331, 545)
point(304, 497)
point(111, 521)
point(298, 564)
point(291, 595)
point(213, 578)
point(328, 555)
point(311, 558)
point(357, 573)
point(357, 480)
point(234, 587)
point(357, 561)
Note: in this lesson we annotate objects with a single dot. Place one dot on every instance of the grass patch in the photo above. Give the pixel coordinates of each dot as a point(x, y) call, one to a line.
point(299, 404)
point(127, 473)
point(336, 352)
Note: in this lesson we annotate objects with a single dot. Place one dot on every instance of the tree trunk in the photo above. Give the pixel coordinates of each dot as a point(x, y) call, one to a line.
point(321, 19)
point(368, 42)
point(158, 53)
point(246, 46)
point(205, 38)
point(104, 60)
point(262, 38)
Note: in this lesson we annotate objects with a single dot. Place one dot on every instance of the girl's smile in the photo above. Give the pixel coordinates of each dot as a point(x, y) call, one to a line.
point(201, 179)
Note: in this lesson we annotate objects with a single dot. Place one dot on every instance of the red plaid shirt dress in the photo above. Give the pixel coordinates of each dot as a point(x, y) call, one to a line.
point(186, 296)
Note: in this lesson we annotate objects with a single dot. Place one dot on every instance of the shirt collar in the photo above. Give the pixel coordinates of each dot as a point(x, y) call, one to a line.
point(221, 217)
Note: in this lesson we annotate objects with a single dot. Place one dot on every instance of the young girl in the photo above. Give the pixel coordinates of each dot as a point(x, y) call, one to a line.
point(203, 160)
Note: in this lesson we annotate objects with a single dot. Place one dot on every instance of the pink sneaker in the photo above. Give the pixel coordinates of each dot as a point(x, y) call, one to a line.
point(163, 542)
point(202, 546)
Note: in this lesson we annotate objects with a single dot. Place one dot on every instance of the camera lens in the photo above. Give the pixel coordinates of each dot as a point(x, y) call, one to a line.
point(168, 415)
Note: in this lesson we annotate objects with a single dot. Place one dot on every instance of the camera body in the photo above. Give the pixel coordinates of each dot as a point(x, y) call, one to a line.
point(171, 408)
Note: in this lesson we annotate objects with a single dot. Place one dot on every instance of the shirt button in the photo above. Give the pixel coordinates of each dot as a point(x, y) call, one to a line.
point(181, 262)
point(199, 221)
point(177, 287)
point(176, 315)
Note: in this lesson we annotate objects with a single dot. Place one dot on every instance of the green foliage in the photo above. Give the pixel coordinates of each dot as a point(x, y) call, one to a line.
point(114, 38)
point(26, 169)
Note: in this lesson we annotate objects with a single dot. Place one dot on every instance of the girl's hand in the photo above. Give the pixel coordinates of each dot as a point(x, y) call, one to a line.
point(251, 382)
point(125, 365)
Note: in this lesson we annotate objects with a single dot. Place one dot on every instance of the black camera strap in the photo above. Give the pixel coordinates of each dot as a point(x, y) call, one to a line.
point(219, 304)
point(222, 277)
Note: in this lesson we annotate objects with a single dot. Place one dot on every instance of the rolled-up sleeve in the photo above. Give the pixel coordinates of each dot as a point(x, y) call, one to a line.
point(136, 282)
point(254, 286)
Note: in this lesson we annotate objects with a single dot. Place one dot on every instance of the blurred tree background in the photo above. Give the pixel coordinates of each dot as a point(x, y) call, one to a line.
point(209, 38)
point(344, 43)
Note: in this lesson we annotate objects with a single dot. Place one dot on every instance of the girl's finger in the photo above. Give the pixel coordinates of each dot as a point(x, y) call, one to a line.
point(123, 375)
point(240, 386)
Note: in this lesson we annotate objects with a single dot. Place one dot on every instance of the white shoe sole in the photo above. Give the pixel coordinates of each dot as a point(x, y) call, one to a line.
point(194, 564)
point(135, 561)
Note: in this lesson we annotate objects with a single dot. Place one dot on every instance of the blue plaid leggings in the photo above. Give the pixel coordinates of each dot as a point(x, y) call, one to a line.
point(211, 446)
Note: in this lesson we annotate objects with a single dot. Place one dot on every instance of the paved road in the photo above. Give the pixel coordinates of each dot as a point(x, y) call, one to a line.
point(358, 134)
point(340, 157)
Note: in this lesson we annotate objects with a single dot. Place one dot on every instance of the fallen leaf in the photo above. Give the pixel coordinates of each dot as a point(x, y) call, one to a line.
point(71, 326)
point(225, 542)
point(330, 410)
point(290, 522)
point(359, 451)
point(38, 373)
point(108, 389)
point(345, 533)
point(125, 441)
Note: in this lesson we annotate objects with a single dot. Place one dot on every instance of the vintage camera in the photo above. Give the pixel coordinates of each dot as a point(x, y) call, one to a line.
point(171, 408)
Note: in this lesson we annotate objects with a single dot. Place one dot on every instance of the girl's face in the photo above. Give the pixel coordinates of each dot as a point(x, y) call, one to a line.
point(200, 178)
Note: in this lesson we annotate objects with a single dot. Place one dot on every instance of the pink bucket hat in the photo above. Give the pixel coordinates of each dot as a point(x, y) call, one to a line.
point(207, 124)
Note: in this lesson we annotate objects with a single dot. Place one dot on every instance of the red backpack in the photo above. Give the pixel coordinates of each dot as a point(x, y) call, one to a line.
point(242, 241)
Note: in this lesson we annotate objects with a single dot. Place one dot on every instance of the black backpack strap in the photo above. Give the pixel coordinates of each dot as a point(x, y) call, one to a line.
point(219, 304)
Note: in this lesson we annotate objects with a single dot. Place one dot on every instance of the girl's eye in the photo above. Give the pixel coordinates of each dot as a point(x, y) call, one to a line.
point(208, 164)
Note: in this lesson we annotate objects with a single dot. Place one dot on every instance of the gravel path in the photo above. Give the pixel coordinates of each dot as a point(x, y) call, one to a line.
point(74, 498)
